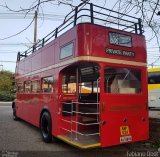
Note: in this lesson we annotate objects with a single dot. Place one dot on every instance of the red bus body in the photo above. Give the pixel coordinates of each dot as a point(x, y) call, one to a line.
point(116, 111)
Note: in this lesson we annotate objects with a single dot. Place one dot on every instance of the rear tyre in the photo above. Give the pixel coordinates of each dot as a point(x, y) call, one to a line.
point(46, 127)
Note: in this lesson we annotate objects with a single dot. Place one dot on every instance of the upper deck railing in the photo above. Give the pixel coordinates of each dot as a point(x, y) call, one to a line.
point(89, 13)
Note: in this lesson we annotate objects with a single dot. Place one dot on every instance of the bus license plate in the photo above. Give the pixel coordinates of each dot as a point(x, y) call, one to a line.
point(124, 130)
point(125, 139)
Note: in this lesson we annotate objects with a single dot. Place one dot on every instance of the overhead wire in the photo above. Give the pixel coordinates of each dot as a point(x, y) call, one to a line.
point(53, 17)
point(7, 61)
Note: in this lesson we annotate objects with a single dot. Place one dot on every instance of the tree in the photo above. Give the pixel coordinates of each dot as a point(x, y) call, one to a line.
point(6, 85)
point(149, 12)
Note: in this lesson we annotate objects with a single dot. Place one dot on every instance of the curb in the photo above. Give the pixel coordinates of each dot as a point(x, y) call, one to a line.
point(8, 102)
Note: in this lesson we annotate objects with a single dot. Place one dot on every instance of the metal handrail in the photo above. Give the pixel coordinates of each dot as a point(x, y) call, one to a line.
point(85, 123)
point(76, 102)
point(71, 121)
point(85, 113)
point(66, 129)
point(93, 134)
point(89, 12)
point(115, 12)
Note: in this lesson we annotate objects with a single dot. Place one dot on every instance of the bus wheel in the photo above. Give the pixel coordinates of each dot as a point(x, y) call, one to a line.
point(46, 127)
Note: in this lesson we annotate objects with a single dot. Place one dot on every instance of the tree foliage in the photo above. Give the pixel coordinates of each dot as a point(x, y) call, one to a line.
point(6, 85)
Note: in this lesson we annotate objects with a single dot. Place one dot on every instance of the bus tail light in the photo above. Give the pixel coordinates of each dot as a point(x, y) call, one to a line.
point(143, 119)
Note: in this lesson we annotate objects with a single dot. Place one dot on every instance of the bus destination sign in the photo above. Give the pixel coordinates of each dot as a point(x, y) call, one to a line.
point(120, 52)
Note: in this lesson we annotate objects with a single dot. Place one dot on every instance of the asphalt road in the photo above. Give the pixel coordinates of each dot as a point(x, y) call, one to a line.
point(18, 138)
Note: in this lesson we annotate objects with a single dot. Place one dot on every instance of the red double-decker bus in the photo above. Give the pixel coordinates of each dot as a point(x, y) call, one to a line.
point(86, 82)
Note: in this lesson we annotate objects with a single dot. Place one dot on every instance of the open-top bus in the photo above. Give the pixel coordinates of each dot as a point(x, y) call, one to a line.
point(154, 87)
point(86, 82)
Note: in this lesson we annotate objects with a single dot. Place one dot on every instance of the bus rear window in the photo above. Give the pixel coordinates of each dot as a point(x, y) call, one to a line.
point(122, 80)
point(120, 39)
point(154, 78)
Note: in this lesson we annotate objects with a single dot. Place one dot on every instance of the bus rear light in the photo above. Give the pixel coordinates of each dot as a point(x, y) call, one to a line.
point(143, 119)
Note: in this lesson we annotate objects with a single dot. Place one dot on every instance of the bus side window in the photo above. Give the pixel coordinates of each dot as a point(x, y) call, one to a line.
point(154, 78)
point(35, 86)
point(27, 87)
point(69, 84)
point(66, 51)
point(20, 88)
point(47, 84)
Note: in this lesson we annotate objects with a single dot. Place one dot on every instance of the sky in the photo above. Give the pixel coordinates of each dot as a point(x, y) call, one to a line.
point(12, 23)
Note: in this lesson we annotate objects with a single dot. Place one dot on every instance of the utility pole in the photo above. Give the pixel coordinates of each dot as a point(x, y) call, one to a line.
point(35, 29)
